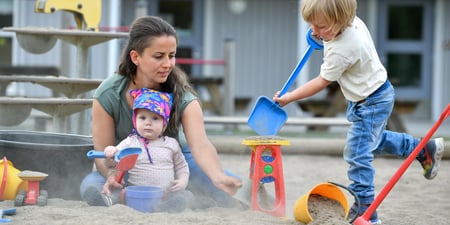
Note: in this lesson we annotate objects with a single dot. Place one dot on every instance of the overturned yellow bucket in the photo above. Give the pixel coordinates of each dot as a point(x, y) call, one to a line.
point(10, 183)
point(327, 190)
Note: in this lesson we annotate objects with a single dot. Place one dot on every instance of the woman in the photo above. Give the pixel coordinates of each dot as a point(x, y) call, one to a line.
point(148, 60)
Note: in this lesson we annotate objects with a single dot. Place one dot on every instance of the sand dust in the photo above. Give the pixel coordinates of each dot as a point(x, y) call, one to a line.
point(414, 200)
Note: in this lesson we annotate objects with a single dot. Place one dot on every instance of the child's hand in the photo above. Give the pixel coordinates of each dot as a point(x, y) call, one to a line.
point(110, 151)
point(177, 185)
point(283, 100)
point(111, 182)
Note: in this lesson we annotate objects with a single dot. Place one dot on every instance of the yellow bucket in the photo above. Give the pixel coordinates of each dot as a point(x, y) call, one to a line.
point(10, 183)
point(327, 190)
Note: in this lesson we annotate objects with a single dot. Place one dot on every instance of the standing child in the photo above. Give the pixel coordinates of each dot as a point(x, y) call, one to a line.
point(350, 58)
point(161, 162)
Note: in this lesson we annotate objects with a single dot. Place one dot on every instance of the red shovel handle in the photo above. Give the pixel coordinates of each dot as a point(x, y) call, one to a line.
point(120, 176)
point(364, 218)
point(126, 163)
point(4, 178)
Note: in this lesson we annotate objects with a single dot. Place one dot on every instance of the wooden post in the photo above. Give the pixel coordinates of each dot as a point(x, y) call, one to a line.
point(140, 9)
point(229, 73)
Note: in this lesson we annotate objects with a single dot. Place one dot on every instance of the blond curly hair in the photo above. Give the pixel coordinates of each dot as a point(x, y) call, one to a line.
point(338, 13)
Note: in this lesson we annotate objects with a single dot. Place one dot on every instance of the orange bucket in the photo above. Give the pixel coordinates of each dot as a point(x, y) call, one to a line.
point(10, 183)
point(327, 190)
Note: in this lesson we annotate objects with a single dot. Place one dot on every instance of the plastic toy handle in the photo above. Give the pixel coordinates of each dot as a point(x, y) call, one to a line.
point(447, 109)
point(313, 44)
point(5, 177)
point(10, 211)
point(92, 154)
point(5, 220)
point(296, 71)
point(357, 203)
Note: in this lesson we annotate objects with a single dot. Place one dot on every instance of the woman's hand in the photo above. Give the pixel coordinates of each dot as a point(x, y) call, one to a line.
point(227, 183)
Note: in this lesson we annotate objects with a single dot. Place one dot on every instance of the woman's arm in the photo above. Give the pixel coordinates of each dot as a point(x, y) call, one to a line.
point(103, 133)
point(204, 153)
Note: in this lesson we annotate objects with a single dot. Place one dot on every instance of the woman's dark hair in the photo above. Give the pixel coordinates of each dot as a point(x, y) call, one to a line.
point(142, 32)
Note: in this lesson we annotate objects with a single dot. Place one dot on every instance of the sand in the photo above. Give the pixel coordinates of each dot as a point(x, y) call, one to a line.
point(414, 200)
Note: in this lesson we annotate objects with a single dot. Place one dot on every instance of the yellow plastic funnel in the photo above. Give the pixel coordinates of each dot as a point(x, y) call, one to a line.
point(10, 183)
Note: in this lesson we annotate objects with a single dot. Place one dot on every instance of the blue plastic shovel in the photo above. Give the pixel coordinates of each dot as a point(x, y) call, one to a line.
point(117, 157)
point(267, 116)
point(126, 159)
point(8, 212)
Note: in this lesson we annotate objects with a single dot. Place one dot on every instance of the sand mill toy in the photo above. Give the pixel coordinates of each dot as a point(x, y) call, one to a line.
point(266, 167)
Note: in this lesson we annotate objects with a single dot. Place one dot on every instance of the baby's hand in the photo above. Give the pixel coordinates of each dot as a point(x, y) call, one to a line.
point(177, 185)
point(110, 151)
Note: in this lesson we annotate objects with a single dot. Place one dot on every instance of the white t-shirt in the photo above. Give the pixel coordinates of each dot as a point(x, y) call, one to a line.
point(352, 60)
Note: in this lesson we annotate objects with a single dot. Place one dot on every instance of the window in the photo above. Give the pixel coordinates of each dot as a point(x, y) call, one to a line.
point(404, 45)
point(402, 25)
point(179, 14)
point(5, 38)
point(404, 69)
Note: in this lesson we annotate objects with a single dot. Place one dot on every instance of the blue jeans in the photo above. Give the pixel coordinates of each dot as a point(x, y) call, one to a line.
point(199, 183)
point(367, 136)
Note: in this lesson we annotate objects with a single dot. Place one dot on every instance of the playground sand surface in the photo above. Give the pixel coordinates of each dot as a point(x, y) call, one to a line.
point(414, 200)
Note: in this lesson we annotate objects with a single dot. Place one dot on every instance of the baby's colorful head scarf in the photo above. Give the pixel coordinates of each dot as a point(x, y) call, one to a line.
point(155, 101)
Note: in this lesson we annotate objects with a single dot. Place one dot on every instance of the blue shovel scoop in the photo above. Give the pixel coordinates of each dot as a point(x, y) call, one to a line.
point(117, 157)
point(267, 116)
point(126, 159)
point(9, 212)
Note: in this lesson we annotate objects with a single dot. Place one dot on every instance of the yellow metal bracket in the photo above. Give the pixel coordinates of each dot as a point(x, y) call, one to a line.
point(87, 13)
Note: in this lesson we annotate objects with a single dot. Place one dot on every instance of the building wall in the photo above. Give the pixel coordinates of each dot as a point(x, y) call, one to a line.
point(441, 82)
point(265, 36)
point(269, 38)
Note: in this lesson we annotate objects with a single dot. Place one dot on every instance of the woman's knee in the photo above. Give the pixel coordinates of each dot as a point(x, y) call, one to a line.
point(94, 179)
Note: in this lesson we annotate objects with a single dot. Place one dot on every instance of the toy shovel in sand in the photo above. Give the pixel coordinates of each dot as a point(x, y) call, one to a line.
point(126, 159)
point(267, 117)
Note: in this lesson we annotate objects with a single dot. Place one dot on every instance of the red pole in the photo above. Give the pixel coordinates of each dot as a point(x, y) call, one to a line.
point(364, 218)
